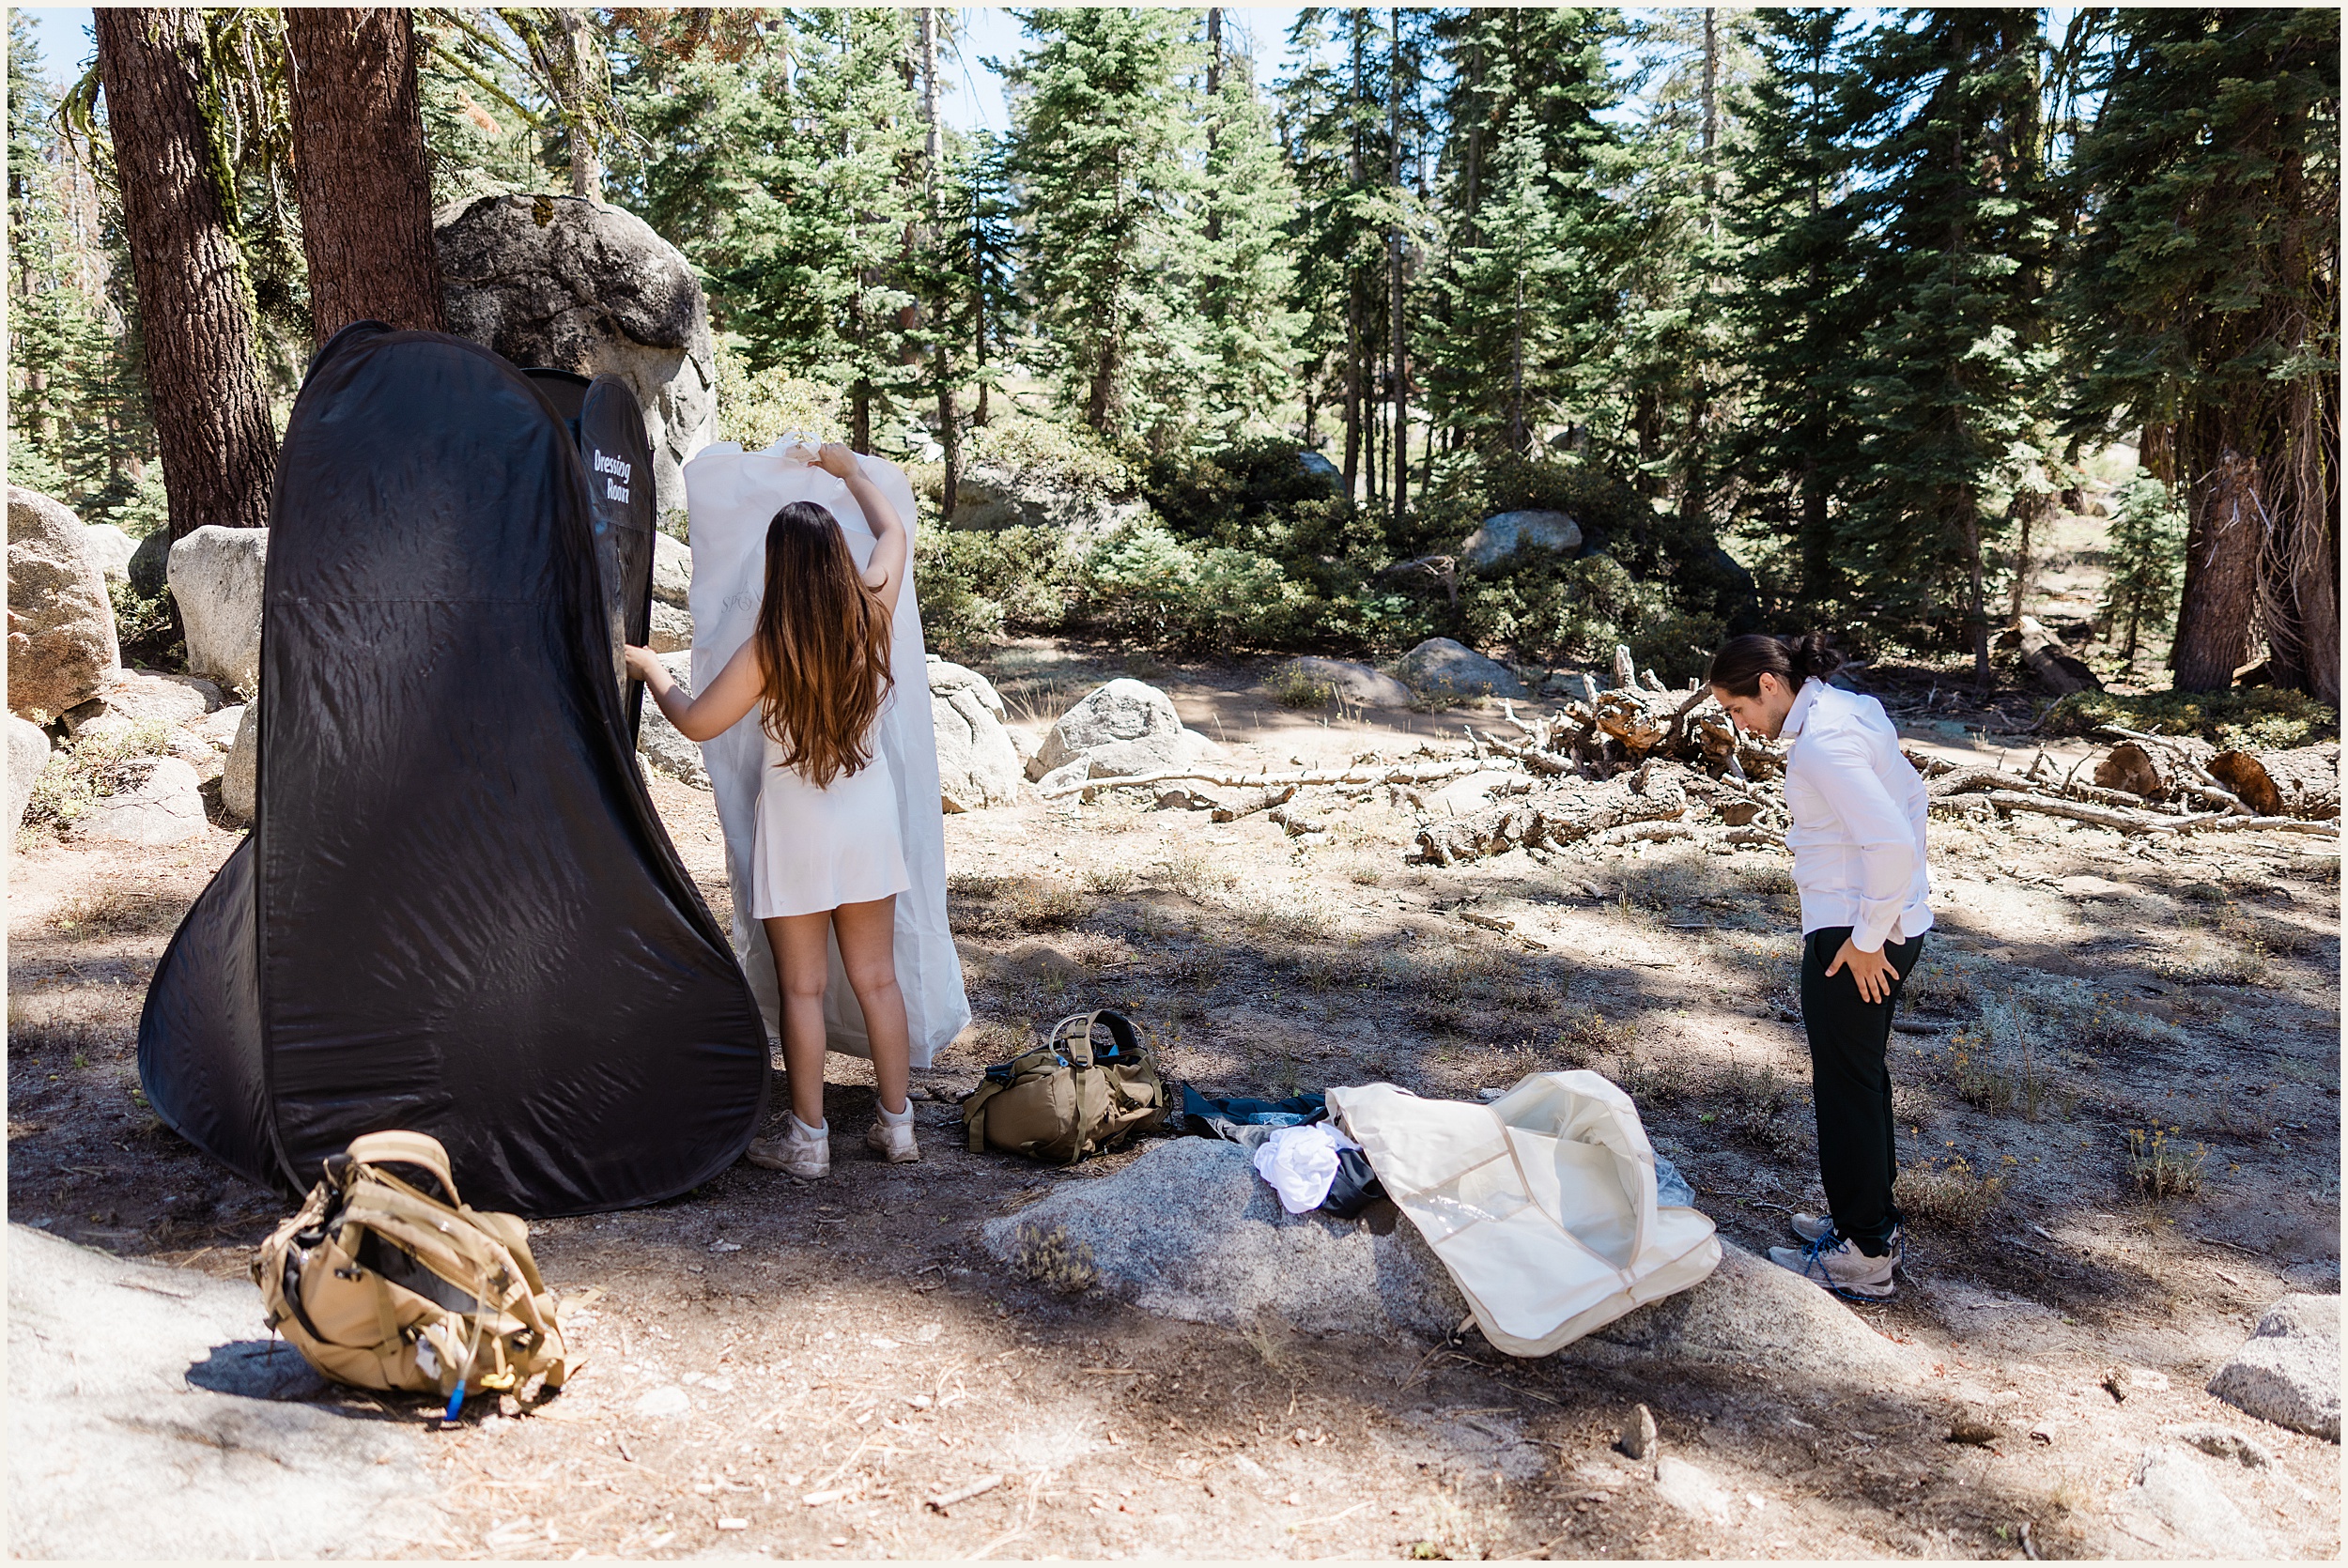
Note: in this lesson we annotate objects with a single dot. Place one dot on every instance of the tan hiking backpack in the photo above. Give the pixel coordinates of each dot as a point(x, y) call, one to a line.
point(379, 1281)
point(1090, 1085)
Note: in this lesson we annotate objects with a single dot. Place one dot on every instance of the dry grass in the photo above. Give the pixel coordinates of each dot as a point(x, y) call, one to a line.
point(1002, 906)
point(1044, 1253)
point(111, 909)
point(1198, 876)
point(2161, 1169)
point(1948, 1193)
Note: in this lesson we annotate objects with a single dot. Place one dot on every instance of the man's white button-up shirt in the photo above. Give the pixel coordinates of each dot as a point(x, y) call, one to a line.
point(1859, 819)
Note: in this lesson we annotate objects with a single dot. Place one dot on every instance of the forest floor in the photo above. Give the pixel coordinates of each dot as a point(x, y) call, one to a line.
point(848, 1350)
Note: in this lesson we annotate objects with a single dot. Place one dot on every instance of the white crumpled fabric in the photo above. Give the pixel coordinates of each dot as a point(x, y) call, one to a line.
point(731, 496)
point(1301, 1164)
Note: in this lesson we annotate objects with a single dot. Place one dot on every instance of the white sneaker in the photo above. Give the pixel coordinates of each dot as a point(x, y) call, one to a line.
point(802, 1151)
point(892, 1137)
point(1837, 1265)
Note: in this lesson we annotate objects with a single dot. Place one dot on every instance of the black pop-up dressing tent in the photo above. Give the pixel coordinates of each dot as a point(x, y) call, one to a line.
point(458, 911)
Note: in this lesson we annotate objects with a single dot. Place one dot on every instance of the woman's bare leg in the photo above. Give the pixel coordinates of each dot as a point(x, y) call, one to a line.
point(868, 950)
point(802, 952)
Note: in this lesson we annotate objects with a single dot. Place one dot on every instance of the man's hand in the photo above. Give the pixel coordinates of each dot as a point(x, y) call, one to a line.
point(1871, 972)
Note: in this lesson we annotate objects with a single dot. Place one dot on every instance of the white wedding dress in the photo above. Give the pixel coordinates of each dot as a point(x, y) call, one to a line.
point(731, 496)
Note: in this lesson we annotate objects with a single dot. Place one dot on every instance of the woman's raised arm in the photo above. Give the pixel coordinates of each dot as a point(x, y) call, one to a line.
point(886, 572)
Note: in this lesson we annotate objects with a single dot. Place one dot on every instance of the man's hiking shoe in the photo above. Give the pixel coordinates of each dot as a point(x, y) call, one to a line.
point(892, 1137)
point(1834, 1263)
point(802, 1151)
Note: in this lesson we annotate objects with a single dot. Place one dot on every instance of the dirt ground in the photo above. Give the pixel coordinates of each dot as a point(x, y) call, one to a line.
point(846, 1351)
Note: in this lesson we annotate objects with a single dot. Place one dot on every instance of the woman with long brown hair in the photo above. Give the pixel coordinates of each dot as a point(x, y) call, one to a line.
point(827, 859)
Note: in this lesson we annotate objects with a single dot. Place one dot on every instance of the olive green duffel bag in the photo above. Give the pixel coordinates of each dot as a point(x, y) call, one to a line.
point(1089, 1086)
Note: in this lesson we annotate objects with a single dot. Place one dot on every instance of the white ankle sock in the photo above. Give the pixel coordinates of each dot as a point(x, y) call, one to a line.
point(898, 1118)
point(807, 1135)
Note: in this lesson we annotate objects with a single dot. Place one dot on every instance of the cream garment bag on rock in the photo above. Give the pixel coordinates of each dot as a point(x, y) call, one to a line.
point(1541, 1203)
point(731, 496)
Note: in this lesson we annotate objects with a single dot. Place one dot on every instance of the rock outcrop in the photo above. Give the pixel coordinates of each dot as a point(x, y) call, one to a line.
point(663, 745)
point(978, 765)
point(160, 803)
point(1509, 535)
point(671, 572)
point(61, 624)
point(1440, 667)
point(576, 286)
point(216, 581)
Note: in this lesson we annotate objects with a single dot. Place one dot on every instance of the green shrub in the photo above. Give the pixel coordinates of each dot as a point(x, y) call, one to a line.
point(1165, 591)
point(976, 586)
point(1067, 457)
point(755, 407)
point(2147, 543)
point(143, 628)
point(2252, 718)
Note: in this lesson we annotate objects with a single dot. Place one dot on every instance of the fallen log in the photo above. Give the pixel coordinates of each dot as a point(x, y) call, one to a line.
point(2102, 815)
point(1426, 772)
point(2303, 783)
point(1556, 818)
point(2044, 652)
point(2259, 824)
point(1969, 781)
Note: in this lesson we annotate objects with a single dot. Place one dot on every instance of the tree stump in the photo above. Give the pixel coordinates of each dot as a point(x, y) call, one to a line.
point(2302, 783)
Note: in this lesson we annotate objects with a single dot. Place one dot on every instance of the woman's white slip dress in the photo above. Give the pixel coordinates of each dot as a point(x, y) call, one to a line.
point(732, 495)
point(815, 849)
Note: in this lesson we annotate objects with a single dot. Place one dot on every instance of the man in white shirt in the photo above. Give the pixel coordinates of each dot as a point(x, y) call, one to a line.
point(1859, 861)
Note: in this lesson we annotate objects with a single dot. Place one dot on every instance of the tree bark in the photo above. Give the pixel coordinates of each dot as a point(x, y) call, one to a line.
point(2221, 562)
point(1401, 443)
point(360, 170)
point(934, 167)
point(195, 312)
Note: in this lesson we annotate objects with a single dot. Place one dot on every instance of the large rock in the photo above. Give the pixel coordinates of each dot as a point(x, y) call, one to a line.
point(672, 571)
point(28, 753)
point(143, 696)
point(2173, 1490)
point(187, 1431)
point(160, 803)
point(216, 581)
point(1190, 1231)
point(112, 549)
point(1512, 533)
point(1357, 683)
point(989, 497)
point(575, 284)
point(663, 744)
point(61, 624)
point(1119, 730)
point(2289, 1371)
point(239, 776)
point(150, 563)
point(1440, 667)
point(1750, 1311)
point(977, 764)
point(671, 628)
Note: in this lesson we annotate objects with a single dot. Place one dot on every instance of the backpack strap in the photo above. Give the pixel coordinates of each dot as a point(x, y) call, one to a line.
point(406, 1148)
point(1078, 1043)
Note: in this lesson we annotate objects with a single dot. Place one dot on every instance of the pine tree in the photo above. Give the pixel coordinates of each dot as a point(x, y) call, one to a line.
point(1100, 146)
point(2146, 543)
point(1795, 310)
point(1244, 203)
point(1534, 245)
point(1956, 372)
point(2205, 299)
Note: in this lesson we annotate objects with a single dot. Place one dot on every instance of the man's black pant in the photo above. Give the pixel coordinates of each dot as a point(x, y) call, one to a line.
point(1851, 1083)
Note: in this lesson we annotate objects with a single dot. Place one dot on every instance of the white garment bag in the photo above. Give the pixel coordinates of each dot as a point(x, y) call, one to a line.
point(1541, 1205)
point(731, 496)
